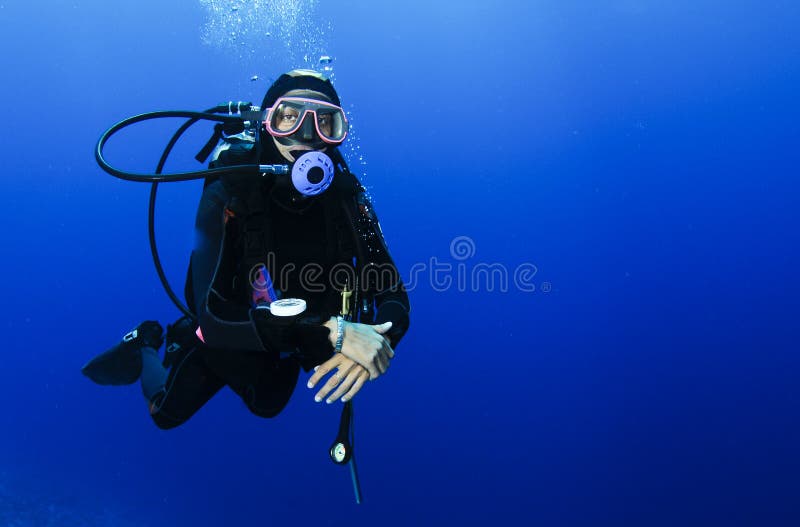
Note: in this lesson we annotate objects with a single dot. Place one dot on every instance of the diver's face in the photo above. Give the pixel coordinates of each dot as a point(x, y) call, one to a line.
point(306, 138)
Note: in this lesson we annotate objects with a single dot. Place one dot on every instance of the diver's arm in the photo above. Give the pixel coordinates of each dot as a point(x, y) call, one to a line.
point(230, 325)
point(393, 306)
point(370, 345)
point(384, 281)
point(236, 327)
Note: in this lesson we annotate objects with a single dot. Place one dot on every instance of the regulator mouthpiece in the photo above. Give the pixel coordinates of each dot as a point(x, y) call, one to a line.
point(312, 173)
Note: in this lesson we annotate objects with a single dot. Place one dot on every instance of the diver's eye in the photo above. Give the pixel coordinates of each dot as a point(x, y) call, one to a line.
point(324, 120)
point(286, 118)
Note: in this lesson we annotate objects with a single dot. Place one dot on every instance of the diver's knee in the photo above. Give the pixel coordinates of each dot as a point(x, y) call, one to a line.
point(266, 407)
point(265, 412)
point(162, 420)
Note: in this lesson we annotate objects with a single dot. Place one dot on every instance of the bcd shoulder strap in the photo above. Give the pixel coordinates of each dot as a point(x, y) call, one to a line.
point(255, 235)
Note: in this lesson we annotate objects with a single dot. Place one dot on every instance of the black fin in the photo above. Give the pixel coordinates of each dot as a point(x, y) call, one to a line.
point(122, 364)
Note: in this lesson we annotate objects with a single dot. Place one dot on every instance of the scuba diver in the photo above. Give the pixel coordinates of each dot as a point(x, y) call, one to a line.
point(287, 272)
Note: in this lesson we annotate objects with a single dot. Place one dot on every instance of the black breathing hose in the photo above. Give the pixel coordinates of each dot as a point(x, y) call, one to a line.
point(157, 176)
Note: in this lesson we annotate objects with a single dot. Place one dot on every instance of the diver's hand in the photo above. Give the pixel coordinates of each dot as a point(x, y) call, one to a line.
point(365, 344)
point(346, 381)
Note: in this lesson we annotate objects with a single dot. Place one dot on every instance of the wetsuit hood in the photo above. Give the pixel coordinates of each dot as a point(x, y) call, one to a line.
point(300, 80)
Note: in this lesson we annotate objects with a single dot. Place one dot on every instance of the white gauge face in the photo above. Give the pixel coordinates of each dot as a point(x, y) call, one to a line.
point(339, 452)
point(287, 307)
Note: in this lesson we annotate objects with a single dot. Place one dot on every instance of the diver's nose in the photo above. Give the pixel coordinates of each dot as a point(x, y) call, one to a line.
point(307, 128)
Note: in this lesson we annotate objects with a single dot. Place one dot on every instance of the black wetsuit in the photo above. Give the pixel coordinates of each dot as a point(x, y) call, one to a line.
point(256, 354)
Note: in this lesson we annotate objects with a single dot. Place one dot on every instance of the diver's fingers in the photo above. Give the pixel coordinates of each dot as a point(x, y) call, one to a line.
point(363, 377)
point(345, 385)
point(388, 347)
point(382, 358)
point(382, 328)
point(334, 380)
point(382, 361)
point(323, 369)
point(380, 364)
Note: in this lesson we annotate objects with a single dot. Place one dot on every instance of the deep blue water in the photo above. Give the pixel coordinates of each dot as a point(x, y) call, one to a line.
point(641, 155)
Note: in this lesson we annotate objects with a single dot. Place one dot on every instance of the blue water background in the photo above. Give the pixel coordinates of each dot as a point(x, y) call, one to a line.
point(643, 156)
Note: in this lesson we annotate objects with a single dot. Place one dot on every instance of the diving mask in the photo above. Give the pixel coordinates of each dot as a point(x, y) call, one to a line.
point(290, 114)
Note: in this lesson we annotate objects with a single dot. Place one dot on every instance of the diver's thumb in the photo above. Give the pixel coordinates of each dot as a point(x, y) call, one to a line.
point(383, 328)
